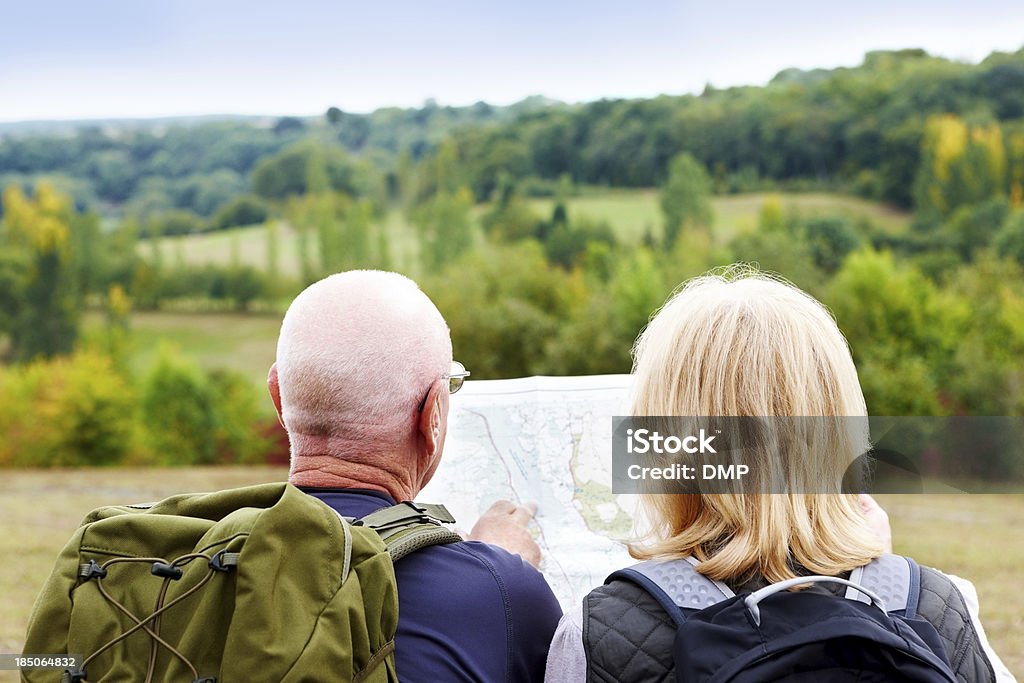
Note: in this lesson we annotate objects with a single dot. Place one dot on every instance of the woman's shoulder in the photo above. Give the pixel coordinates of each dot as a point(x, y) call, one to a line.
point(950, 604)
point(624, 617)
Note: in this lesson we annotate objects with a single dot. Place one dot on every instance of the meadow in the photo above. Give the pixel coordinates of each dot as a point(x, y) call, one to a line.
point(246, 342)
point(974, 536)
point(631, 213)
point(634, 213)
point(243, 342)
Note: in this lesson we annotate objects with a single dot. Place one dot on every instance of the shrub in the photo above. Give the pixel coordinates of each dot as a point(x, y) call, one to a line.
point(1010, 240)
point(71, 411)
point(179, 412)
point(173, 223)
point(241, 435)
point(244, 210)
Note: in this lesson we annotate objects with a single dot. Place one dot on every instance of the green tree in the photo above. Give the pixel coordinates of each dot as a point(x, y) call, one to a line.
point(510, 218)
point(273, 257)
point(15, 266)
point(174, 223)
point(180, 413)
point(86, 242)
point(504, 305)
point(989, 307)
point(243, 210)
point(902, 332)
point(686, 198)
point(566, 244)
point(445, 227)
point(1009, 242)
point(347, 232)
point(243, 285)
point(598, 334)
point(118, 308)
point(973, 226)
point(786, 253)
point(48, 314)
point(305, 167)
point(829, 240)
point(289, 124)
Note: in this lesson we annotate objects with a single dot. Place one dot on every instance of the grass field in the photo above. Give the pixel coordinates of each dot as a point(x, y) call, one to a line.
point(245, 342)
point(635, 212)
point(974, 536)
point(250, 245)
point(632, 213)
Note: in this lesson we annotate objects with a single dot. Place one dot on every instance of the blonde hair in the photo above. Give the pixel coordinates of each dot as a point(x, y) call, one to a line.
point(741, 343)
point(357, 353)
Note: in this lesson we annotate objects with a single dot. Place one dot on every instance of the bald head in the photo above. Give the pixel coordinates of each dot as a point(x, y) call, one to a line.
point(357, 353)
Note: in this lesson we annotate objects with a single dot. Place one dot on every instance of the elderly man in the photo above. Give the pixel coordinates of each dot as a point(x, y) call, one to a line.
point(362, 384)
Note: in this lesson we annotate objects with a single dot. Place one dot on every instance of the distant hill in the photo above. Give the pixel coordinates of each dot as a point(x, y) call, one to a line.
point(71, 126)
point(479, 110)
point(859, 130)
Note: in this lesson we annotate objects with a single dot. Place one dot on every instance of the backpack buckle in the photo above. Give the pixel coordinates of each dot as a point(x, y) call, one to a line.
point(76, 675)
point(223, 562)
point(404, 514)
point(167, 571)
point(91, 571)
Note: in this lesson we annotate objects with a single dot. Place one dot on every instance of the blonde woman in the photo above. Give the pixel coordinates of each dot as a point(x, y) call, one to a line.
point(744, 344)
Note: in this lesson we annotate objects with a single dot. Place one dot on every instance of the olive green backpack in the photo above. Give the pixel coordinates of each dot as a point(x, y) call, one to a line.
point(262, 583)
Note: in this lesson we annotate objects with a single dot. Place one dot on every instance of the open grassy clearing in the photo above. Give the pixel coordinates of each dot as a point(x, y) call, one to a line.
point(250, 246)
point(632, 214)
point(973, 536)
point(248, 243)
point(245, 342)
point(635, 212)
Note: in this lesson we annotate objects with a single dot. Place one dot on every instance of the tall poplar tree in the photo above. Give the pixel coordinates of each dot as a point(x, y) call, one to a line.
point(39, 228)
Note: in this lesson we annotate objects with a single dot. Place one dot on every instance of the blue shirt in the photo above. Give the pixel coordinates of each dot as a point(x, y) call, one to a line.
point(467, 611)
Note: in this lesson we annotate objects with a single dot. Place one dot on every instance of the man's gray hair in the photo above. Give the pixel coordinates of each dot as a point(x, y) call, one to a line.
point(357, 353)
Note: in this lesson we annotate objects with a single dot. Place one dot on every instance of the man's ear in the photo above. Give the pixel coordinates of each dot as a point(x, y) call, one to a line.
point(434, 418)
point(275, 392)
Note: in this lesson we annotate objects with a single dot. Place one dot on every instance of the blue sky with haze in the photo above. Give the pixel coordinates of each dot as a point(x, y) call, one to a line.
point(63, 60)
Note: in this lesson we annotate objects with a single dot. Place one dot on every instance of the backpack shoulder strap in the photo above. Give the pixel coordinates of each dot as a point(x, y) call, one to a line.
point(894, 578)
point(676, 585)
point(408, 526)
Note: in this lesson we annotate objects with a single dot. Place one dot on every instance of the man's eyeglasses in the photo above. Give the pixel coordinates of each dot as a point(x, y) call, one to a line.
point(456, 378)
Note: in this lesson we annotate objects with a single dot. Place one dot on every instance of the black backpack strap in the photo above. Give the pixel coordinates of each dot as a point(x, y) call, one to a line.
point(408, 526)
point(676, 585)
point(896, 579)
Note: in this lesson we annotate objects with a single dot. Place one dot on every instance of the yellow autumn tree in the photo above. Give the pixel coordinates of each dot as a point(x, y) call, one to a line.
point(37, 231)
point(961, 164)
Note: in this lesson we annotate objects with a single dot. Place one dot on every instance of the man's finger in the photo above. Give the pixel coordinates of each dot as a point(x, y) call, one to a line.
point(503, 507)
point(524, 513)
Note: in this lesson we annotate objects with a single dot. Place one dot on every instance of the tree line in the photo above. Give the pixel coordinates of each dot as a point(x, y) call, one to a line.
point(857, 129)
point(933, 312)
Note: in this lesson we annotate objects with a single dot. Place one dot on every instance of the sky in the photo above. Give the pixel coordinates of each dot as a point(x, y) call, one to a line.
point(104, 59)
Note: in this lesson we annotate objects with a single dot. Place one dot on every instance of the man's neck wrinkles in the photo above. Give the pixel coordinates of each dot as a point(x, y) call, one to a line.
point(375, 470)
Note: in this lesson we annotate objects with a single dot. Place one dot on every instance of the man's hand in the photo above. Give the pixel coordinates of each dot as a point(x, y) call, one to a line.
point(504, 525)
point(878, 520)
